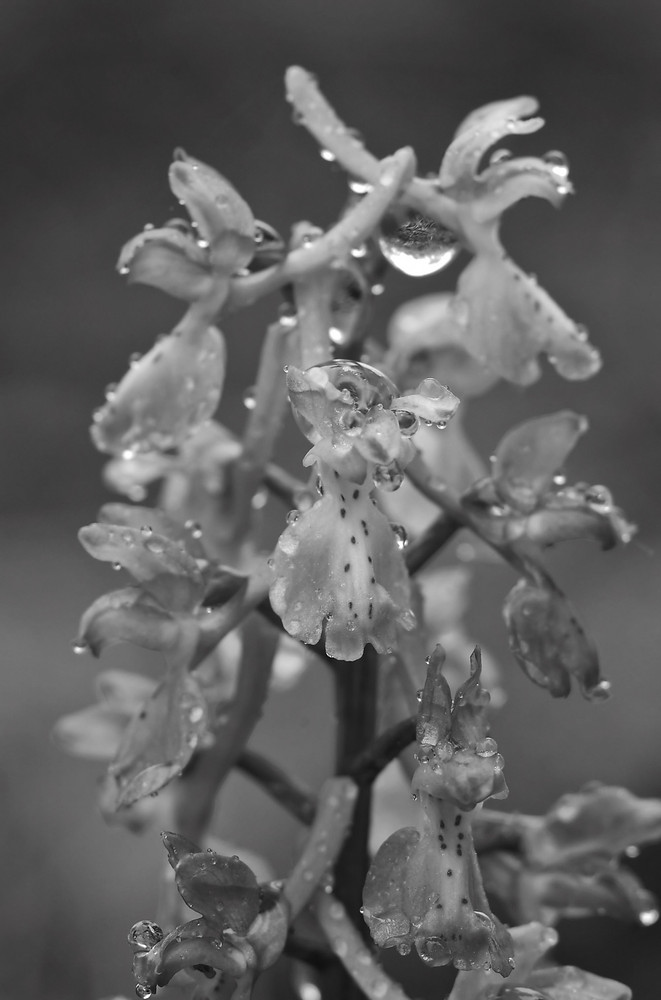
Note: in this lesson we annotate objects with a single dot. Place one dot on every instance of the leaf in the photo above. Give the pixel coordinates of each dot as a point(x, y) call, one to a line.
point(127, 616)
point(223, 889)
point(162, 567)
point(549, 643)
point(161, 739)
point(166, 395)
point(530, 455)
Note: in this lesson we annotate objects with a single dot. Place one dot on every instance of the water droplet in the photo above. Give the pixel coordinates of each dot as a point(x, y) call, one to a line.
point(143, 992)
point(359, 186)
point(487, 748)
point(195, 528)
point(124, 269)
point(259, 500)
point(419, 693)
point(196, 714)
point(338, 337)
point(249, 398)
point(408, 422)
point(648, 917)
point(116, 566)
point(327, 155)
point(110, 391)
point(144, 935)
point(632, 851)
point(418, 247)
point(128, 455)
point(500, 156)
point(146, 531)
point(359, 251)
point(378, 288)
point(599, 496)
point(559, 480)
point(558, 163)
point(399, 532)
point(80, 646)
point(293, 516)
point(388, 478)
point(601, 691)
point(404, 948)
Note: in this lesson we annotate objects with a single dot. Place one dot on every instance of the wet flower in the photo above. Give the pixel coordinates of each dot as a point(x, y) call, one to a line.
point(424, 886)
point(241, 930)
point(568, 863)
point(506, 318)
point(338, 566)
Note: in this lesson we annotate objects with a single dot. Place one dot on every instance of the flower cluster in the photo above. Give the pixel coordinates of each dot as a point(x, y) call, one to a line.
point(424, 886)
point(338, 566)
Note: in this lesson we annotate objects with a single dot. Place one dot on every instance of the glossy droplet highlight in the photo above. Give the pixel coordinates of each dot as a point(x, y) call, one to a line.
point(359, 186)
point(249, 398)
point(327, 155)
point(558, 162)
point(419, 246)
point(388, 477)
point(648, 917)
point(144, 935)
point(79, 646)
point(143, 992)
point(408, 422)
point(401, 537)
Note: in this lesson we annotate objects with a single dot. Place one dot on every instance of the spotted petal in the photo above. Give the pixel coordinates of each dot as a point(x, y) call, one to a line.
point(165, 396)
point(338, 570)
point(549, 643)
point(509, 320)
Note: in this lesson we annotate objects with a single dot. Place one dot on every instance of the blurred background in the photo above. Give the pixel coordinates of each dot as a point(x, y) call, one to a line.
point(94, 96)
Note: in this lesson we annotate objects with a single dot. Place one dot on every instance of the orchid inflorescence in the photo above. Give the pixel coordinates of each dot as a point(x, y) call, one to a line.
point(351, 580)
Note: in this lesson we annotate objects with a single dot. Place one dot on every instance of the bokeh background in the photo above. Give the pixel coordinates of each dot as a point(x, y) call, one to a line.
point(94, 95)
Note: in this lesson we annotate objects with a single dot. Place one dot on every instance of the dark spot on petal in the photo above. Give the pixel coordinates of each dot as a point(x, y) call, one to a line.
point(439, 906)
point(370, 610)
point(460, 836)
point(372, 579)
point(464, 900)
point(143, 714)
point(457, 820)
point(342, 498)
point(347, 567)
point(343, 512)
point(353, 539)
point(355, 614)
point(350, 604)
point(459, 852)
point(336, 473)
point(369, 559)
point(356, 494)
point(449, 873)
point(442, 825)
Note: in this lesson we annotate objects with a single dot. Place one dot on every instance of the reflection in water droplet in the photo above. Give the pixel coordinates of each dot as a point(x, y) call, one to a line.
point(144, 935)
point(558, 163)
point(400, 534)
point(293, 516)
point(632, 851)
point(79, 646)
point(601, 691)
point(419, 246)
point(359, 186)
point(117, 566)
point(388, 478)
point(408, 422)
point(195, 528)
point(143, 992)
point(327, 155)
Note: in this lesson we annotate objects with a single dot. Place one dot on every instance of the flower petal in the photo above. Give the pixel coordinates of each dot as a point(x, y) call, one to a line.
point(127, 616)
point(167, 259)
point(549, 643)
point(222, 217)
point(94, 733)
point(528, 457)
point(431, 402)
point(160, 740)
point(169, 393)
point(509, 320)
point(153, 520)
point(161, 566)
point(338, 569)
point(566, 982)
point(480, 130)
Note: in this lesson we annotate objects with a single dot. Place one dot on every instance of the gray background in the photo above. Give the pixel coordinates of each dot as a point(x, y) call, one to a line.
point(94, 95)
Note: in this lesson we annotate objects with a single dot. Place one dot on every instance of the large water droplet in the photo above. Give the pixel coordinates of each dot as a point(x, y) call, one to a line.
point(419, 246)
point(408, 422)
point(487, 748)
point(632, 851)
point(388, 477)
point(143, 992)
point(144, 935)
point(365, 386)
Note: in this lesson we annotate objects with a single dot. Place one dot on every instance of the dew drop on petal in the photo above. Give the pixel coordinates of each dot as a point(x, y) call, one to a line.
point(327, 155)
point(419, 246)
point(80, 646)
point(144, 935)
point(399, 532)
point(648, 917)
point(259, 500)
point(388, 478)
point(378, 288)
point(293, 516)
point(601, 691)
point(195, 528)
point(359, 186)
point(143, 992)
point(116, 566)
point(408, 422)
point(632, 851)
